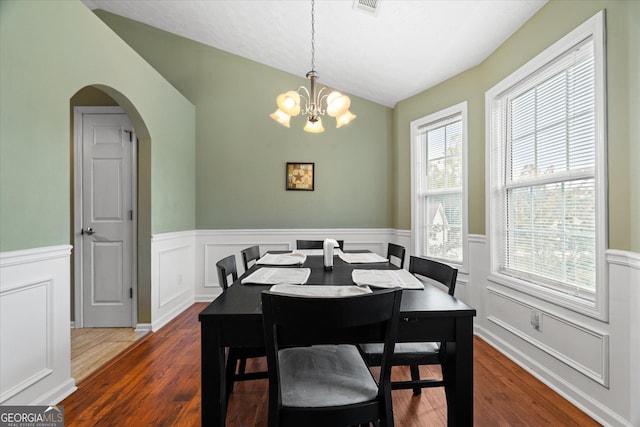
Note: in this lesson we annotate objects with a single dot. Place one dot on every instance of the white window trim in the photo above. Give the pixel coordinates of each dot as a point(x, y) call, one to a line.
point(417, 156)
point(594, 27)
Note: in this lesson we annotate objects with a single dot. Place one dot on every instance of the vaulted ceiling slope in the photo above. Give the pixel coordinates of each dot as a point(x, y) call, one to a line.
point(402, 48)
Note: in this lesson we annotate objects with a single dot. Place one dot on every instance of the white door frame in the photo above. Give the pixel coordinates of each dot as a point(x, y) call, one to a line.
point(77, 209)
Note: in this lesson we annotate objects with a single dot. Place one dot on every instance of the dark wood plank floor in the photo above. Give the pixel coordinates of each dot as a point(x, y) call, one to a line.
point(157, 383)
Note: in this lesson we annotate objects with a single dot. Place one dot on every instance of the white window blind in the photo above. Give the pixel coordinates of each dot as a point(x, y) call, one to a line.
point(443, 193)
point(547, 179)
point(550, 195)
point(439, 181)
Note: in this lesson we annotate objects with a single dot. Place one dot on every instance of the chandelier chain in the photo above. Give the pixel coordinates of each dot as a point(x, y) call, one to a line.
point(313, 102)
point(313, 36)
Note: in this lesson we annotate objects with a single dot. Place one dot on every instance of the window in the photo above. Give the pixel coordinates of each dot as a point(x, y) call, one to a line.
point(547, 189)
point(439, 181)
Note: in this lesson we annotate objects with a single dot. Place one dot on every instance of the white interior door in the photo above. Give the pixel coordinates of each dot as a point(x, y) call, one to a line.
point(107, 220)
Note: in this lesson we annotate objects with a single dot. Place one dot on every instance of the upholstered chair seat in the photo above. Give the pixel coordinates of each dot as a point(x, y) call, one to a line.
point(324, 375)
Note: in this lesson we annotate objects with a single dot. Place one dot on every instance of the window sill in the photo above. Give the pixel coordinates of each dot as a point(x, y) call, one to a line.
point(595, 309)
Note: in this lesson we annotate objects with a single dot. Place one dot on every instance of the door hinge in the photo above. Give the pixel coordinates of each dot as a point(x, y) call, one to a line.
point(130, 135)
point(131, 293)
point(130, 215)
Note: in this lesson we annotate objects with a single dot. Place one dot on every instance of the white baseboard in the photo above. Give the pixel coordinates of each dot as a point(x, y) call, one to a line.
point(586, 403)
point(143, 328)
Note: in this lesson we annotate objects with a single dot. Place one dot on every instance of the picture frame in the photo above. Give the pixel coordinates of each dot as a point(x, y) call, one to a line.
point(300, 176)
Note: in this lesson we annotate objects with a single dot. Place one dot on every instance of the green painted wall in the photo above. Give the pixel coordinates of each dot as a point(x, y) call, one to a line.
point(551, 23)
point(241, 153)
point(633, 79)
point(48, 51)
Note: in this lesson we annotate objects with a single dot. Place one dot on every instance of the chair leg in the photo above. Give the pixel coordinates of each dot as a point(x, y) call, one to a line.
point(232, 362)
point(415, 376)
point(243, 365)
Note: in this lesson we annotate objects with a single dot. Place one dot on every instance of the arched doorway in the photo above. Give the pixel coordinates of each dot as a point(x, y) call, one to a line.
point(132, 296)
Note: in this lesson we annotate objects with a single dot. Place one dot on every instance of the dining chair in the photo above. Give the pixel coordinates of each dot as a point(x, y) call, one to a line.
point(315, 244)
point(313, 382)
point(397, 252)
point(249, 254)
point(237, 356)
point(418, 353)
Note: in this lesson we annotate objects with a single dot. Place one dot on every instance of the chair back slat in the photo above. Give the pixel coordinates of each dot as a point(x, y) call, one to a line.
point(440, 272)
point(249, 254)
point(396, 251)
point(315, 244)
point(227, 267)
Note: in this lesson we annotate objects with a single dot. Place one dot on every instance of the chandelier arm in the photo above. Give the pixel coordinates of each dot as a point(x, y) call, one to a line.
point(303, 91)
point(306, 97)
point(322, 97)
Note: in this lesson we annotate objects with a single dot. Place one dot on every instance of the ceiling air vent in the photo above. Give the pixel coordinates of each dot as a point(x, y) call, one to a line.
point(369, 6)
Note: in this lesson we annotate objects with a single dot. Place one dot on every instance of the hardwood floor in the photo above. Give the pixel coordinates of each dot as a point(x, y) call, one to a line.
point(156, 382)
point(93, 347)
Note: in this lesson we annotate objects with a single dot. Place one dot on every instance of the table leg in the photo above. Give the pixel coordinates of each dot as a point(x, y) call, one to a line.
point(457, 371)
point(213, 392)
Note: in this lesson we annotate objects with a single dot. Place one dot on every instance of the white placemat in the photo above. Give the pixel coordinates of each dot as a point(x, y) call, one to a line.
point(292, 258)
point(275, 275)
point(320, 291)
point(386, 279)
point(336, 251)
point(361, 258)
point(309, 251)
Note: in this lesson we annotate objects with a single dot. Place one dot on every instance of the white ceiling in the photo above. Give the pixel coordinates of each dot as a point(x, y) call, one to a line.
point(401, 50)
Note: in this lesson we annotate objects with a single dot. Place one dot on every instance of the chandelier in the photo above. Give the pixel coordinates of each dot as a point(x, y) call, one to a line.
point(314, 103)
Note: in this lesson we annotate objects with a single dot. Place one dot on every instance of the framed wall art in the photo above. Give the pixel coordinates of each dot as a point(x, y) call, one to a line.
point(300, 176)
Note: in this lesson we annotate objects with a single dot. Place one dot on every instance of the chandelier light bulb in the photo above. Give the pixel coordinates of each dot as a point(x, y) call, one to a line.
point(337, 104)
point(281, 117)
point(289, 103)
point(345, 118)
point(314, 126)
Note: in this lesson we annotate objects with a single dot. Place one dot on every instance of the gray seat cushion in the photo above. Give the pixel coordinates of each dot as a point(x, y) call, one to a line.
point(404, 347)
point(324, 375)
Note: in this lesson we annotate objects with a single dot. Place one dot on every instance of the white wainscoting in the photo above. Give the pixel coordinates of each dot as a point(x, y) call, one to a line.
point(172, 275)
point(587, 351)
point(35, 349)
point(213, 245)
point(593, 364)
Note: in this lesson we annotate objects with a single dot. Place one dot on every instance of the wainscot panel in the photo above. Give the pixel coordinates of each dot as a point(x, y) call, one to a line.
point(35, 349)
point(587, 351)
point(172, 275)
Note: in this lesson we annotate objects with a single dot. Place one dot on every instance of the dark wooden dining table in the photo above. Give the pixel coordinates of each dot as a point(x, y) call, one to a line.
point(234, 319)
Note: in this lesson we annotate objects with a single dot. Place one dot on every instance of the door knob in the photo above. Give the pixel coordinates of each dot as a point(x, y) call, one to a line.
point(89, 231)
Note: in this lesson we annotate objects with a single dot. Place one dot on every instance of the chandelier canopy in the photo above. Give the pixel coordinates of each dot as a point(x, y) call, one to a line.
point(310, 102)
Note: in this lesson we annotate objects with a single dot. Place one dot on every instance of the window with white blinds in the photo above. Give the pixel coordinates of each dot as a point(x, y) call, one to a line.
point(439, 200)
point(547, 183)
